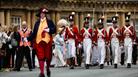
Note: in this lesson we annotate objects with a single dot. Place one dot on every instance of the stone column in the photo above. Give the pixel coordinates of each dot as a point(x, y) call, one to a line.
point(2, 18)
point(105, 20)
point(81, 20)
point(95, 19)
point(76, 20)
point(54, 17)
point(29, 19)
point(57, 17)
point(8, 18)
point(33, 19)
point(122, 19)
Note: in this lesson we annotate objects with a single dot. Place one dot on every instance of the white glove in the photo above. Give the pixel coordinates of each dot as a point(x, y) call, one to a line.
point(47, 29)
point(9, 38)
point(121, 46)
point(25, 39)
point(66, 42)
point(79, 46)
point(134, 42)
point(10, 46)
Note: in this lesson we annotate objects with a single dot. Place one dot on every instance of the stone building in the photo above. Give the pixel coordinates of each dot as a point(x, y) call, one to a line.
point(15, 11)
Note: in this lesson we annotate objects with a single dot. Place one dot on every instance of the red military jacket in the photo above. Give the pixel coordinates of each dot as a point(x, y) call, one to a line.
point(129, 31)
point(86, 33)
point(72, 33)
point(100, 32)
point(114, 32)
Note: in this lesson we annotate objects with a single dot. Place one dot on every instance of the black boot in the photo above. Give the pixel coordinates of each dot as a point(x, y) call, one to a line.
point(111, 62)
point(122, 58)
point(15, 69)
point(115, 65)
point(71, 63)
point(128, 65)
point(71, 67)
point(108, 63)
point(41, 75)
point(87, 66)
point(101, 66)
point(48, 74)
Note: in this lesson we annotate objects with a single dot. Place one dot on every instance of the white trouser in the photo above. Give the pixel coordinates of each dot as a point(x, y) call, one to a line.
point(59, 54)
point(87, 47)
point(101, 49)
point(71, 48)
point(115, 50)
point(128, 49)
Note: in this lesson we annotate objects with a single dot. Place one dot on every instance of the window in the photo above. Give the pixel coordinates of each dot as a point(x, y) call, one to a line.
point(136, 25)
point(16, 20)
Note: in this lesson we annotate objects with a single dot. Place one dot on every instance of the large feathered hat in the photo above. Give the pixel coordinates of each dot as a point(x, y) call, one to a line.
point(62, 22)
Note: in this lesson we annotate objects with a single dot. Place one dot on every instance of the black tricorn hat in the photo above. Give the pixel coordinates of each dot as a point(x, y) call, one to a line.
point(42, 10)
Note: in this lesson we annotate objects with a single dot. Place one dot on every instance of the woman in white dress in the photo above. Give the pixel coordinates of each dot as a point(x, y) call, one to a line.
point(60, 49)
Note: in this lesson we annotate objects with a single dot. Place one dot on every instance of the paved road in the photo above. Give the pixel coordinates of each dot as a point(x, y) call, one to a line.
point(108, 71)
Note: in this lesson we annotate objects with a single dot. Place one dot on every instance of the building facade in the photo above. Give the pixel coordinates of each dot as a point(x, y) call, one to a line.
point(16, 11)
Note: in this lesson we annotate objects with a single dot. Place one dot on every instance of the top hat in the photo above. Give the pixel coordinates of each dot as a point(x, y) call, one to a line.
point(71, 17)
point(87, 18)
point(127, 17)
point(100, 21)
point(114, 19)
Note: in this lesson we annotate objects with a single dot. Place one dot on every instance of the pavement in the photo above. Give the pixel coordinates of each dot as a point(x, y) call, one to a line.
point(108, 71)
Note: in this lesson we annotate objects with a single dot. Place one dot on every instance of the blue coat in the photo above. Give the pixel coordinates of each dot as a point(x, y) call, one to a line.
point(51, 26)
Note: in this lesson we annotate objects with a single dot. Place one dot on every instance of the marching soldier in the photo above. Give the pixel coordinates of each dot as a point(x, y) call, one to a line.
point(71, 37)
point(129, 36)
point(101, 39)
point(114, 37)
point(86, 34)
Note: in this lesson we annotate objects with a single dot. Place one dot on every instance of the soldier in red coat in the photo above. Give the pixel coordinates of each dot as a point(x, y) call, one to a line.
point(71, 37)
point(114, 37)
point(128, 36)
point(86, 34)
point(101, 39)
